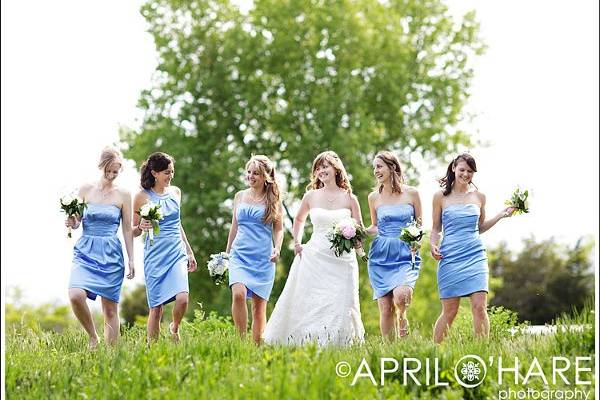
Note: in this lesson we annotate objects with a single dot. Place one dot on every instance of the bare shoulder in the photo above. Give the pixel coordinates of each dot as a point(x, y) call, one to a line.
point(309, 194)
point(238, 196)
point(480, 196)
point(373, 196)
point(439, 195)
point(124, 193)
point(85, 188)
point(176, 190)
point(411, 190)
point(141, 196)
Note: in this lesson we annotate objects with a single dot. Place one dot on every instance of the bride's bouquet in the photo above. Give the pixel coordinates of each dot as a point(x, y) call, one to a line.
point(151, 212)
point(519, 200)
point(73, 206)
point(347, 235)
point(218, 266)
point(412, 234)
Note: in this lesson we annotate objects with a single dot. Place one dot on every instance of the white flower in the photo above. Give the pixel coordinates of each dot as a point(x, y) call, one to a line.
point(360, 252)
point(346, 222)
point(414, 230)
point(526, 203)
point(145, 209)
point(66, 200)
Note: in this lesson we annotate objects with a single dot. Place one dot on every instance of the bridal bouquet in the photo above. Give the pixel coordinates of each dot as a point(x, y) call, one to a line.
point(151, 212)
point(519, 200)
point(218, 266)
point(412, 234)
point(73, 206)
point(347, 235)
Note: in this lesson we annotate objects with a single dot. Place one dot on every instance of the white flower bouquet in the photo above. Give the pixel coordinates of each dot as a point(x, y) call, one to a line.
point(519, 200)
point(73, 206)
point(346, 235)
point(218, 266)
point(151, 212)
point(412, 234)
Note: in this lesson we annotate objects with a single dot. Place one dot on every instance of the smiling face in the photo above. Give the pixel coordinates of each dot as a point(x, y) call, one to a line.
point(325, 172)
point(381, 171)
point(163, 178)
point(111, 172)
point(463, 173)
point(254, 176)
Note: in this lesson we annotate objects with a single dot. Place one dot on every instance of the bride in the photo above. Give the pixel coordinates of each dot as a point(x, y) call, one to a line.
point(319, 302)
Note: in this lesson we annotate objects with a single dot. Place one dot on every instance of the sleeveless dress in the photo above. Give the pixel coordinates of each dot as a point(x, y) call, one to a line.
point(463, 270)
point(250, 252)
point(165, 262)
point(98, 266)
point(319, 302)
point(390, 260)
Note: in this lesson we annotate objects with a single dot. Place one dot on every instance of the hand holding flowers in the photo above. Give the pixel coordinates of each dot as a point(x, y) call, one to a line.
point(151, 212)
point(412, 234)
point(347, 235)
point(73, 206)
point(518, 201)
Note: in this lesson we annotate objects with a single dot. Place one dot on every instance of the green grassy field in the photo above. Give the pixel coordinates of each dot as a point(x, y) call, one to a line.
point(212, 363)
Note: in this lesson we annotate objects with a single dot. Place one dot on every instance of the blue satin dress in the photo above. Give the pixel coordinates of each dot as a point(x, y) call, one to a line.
point(98, 266)
point(390, 260)
point(165, 262)
point(463, 270)
point(250, 252)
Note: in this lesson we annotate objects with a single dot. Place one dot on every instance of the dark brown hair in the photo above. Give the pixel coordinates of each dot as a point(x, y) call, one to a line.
point(156, 162)
point(447, 181)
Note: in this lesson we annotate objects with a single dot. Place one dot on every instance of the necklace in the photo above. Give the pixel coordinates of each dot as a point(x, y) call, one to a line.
point(337, 194)
point(105, 194)
point(259, 200)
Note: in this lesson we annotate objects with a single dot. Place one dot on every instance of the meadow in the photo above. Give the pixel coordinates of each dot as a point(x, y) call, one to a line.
point(211, 362)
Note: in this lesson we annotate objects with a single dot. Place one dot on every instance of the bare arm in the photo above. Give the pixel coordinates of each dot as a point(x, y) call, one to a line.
point(234, 224)
point(486, 225)
point(372, 229)
point(127, 231)
point(416, 202)
point(355, 210)
point(278, 235)
point(436, 228)
point(192, 265)
point(298, 227)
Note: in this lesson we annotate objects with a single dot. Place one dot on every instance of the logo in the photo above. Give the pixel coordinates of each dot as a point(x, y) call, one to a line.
point(470, 371)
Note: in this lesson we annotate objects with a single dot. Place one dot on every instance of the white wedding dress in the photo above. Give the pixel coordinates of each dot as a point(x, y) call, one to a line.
point(319, 302)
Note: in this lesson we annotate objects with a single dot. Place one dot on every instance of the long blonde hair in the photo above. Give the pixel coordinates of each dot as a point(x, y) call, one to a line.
point(267, 170)
point(341, 176)
point(392, 162)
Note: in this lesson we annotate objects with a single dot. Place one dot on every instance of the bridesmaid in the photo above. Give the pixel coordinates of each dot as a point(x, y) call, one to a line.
point(168, 261)
point(392, 205)
point(462, 268)
point(257, 217)
point(98, 265)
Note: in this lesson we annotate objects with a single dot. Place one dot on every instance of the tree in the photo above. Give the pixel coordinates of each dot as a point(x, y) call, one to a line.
point(544, 279)
point(290, 79)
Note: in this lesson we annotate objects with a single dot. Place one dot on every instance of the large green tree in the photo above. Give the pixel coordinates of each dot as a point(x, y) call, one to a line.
point(290, 79)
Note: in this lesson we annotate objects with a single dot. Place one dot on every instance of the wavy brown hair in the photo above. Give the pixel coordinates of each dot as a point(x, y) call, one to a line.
point(156, 162)
point(341, 176)
point(392, 162)
point(447, 181)
point(267, 170)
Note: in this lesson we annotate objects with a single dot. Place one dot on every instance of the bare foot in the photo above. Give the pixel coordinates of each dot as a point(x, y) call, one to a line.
point(174, 334)
point(403, 328)
point(93, 343)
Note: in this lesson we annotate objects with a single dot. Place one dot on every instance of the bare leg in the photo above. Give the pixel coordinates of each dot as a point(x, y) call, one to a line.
point(481, 322)
point(446, 318)
point(82, 312)
point(386, 315)
point(402, 299)
point(111, 321)
point(239, 309)
point(259, 318)
point(181, 304)
point(154, 317)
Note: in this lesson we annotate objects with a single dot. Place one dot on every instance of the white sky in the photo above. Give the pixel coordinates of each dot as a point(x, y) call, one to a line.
point(72, 72)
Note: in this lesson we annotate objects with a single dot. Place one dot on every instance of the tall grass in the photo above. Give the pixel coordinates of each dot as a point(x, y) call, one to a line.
point(211, 362)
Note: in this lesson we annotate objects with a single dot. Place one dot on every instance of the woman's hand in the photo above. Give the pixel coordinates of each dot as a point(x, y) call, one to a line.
point(145, 224)
point(435, 252)
point(274, 256)
point(72, 222)
point(192, 264)
point(508, 212)
point(131, 273)
point(298, 249)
